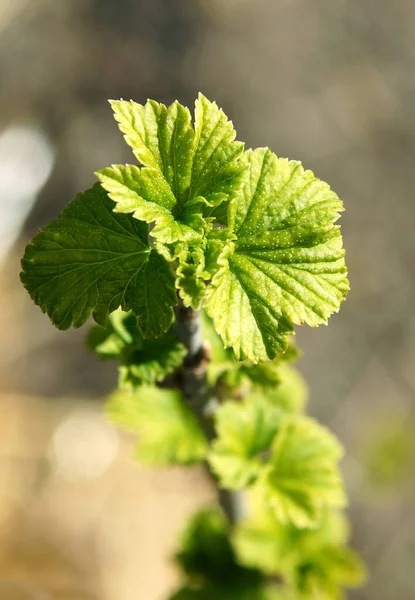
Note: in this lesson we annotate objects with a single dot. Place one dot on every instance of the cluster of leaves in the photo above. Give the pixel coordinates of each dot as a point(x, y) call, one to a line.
point(252, 239)
point(263, 441)
point(211, 567)
point(293, 545)
point(265, 560)
point(250, 235)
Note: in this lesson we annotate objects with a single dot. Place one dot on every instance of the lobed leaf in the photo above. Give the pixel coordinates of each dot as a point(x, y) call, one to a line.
point(168, 430)
point(302, 475)
point(91, 260)
point(244, 431)
point(287, 265)
point(184, 170)
point(208, 560)
point(141, 361)
point(312, 562)
point(291, 392)
point(191, 275)
point(216, 172)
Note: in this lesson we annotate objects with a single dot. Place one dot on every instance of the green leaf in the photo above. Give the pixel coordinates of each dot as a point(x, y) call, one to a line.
point(244, 431)
point(232, 591)
point(161, 138)
point(184, 170)
point(205, 549)
point(219, 354)
point(145, 193)
point(208, 560)
point(141, 361)
point(302, 475)
point(92, 260)
point(191, 275)
point(216, 172)
point(261, 543)
point(168, 431)
point(287, 265)
point(291, 392)
point(315, 563)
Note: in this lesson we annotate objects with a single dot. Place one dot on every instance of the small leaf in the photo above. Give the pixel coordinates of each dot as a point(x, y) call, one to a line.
point(244, 430)
point(146, 194)
point(302, 475)
point(312, 562)
point(205, 547)
point(168, 430)
point(232, 591)
point(287, 264)
point(191, 275)
point(141, 361)
point(185, 173)
point(291, 392)
point(208, 560)
point(161, 138)
point(216, 172)
point(92, 260)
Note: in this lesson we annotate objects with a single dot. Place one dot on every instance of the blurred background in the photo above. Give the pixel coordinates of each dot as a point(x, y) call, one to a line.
point(329, 82)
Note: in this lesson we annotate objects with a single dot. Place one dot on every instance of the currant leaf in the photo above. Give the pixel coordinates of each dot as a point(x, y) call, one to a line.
point(302, 475)
point(286, 266)
point(313, 562)
point(168, 430)
point(244, 431)
point(141, 361)
point(91, 260)
point(185, 172)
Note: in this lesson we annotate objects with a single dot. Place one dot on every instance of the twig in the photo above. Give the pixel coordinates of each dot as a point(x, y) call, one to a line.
point(195, 388)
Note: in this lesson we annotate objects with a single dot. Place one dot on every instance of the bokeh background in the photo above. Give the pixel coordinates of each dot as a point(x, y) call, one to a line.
point(329, 82)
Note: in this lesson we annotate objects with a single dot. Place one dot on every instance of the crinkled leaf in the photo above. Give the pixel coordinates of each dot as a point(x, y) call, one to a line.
point(184, 170)
point(287, 265)
point(92, 260)
point(168, 431)
point(244, 430)
point(191, 275)
point(146, 194)
point(141, 360)
point(302, 475)
point(216, 171)
point(162, 138)
point(313, 563)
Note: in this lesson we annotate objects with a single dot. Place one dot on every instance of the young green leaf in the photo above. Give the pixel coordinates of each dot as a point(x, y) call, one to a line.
point(146, 194)
point(191, 274)
point(168, 430)
point(313, 563)
point(141, 361)
point(92, 260)
point(291, 392)
point(232, 591)
point(287, 265)
point(244, 430)
point(184, 170)
point(302, 475)
point(208, 560)
point(161, 138)
point(216, 171)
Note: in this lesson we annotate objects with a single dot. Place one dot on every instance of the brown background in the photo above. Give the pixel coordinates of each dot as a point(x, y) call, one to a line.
point(329, 82)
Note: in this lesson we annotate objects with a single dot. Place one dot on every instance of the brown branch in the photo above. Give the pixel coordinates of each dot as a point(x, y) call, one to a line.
point(194, 386)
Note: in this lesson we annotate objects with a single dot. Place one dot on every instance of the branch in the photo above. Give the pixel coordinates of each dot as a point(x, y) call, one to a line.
point(195, 388)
